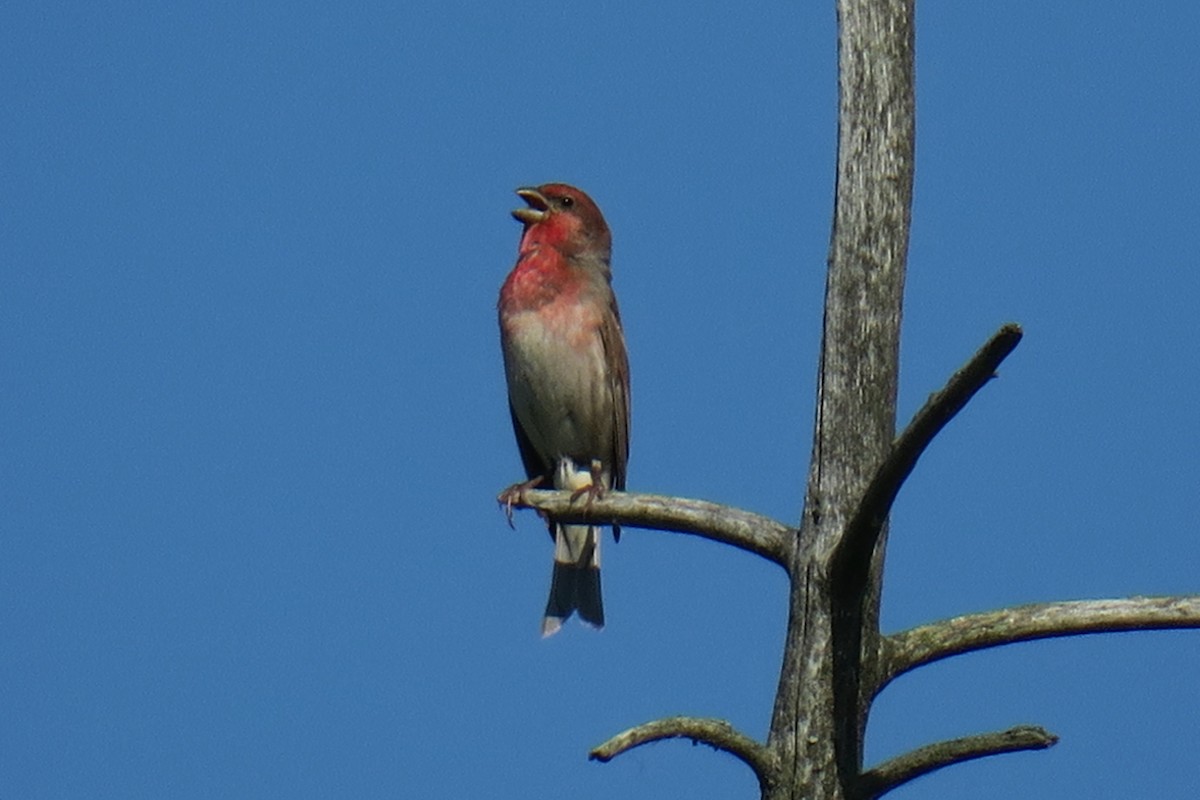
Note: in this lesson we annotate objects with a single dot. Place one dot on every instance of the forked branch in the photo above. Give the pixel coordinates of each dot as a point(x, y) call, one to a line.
point(755, 533)
point(917, 646)
point(923, 760)
point(716, 733)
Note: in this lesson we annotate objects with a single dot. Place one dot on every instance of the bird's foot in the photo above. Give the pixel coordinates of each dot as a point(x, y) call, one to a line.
point(515, 495)
point(594, 488)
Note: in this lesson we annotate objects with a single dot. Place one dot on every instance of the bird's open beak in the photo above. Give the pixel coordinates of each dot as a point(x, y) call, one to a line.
point(539, 206)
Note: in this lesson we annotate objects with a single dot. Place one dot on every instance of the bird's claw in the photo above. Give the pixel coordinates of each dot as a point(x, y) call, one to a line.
point(515, 495)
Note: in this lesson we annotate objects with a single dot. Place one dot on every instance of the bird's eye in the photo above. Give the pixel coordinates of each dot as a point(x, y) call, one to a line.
point(566, 202)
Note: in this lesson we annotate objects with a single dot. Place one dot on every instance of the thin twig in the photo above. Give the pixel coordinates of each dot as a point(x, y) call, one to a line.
point(917, 646)
point(855, 548)
point(755, 533)
point(716, 733)
point(923, 760)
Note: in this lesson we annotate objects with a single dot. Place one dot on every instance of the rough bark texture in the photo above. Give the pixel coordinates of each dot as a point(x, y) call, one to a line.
point(820, 712)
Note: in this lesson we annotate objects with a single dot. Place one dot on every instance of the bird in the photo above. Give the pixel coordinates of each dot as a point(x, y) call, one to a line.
point(567, 372)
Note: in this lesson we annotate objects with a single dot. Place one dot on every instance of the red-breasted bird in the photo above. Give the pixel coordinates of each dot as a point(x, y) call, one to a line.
point(568, 377)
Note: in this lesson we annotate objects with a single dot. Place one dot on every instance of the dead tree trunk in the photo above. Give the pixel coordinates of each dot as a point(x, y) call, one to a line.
point(835, 659)
point(820, 711)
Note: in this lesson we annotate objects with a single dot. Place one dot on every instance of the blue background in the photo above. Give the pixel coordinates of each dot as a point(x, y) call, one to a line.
point(253, 415)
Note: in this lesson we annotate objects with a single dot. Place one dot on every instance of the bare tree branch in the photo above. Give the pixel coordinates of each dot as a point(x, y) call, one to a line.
point(918, 646)
point(716, 733)
point(923, 760)
point(857, 562)
point(755, 533)
point(856, 547)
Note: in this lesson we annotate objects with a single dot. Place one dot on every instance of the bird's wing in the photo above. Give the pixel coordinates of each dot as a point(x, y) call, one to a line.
point(617, 360)
point(534, 465)
point(618, 384)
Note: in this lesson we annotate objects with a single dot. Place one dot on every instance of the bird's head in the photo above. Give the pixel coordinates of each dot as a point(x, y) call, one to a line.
point(563, 217)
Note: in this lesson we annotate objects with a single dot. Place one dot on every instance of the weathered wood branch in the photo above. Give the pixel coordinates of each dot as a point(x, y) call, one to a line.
point(715, 733)
point(854, 551)
point(754, 533)
point(918, 646)
point(923, 760)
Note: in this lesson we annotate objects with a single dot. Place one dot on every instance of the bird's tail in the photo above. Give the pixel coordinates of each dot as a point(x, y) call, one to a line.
point(575, 582)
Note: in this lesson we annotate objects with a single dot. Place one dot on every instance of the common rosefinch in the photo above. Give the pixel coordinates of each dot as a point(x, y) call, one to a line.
point(568, 377)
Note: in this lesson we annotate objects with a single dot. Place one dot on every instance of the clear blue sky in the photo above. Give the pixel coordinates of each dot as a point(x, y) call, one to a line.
point(253, 416)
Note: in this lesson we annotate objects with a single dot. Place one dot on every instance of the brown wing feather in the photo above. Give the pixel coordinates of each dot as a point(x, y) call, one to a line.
point(534, 465)
point(617, 360)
